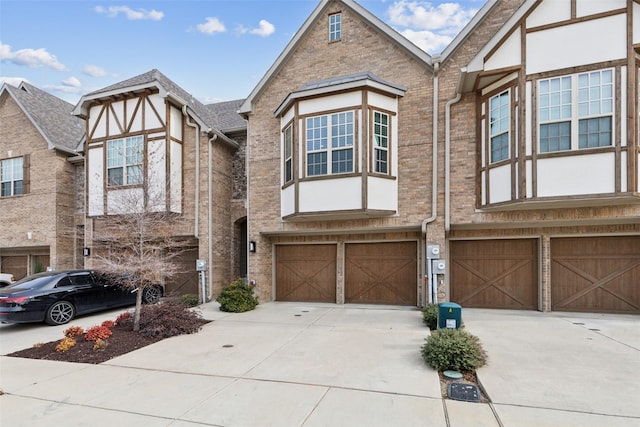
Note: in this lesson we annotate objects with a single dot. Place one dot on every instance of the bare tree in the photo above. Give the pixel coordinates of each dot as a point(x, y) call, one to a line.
point(137, 240)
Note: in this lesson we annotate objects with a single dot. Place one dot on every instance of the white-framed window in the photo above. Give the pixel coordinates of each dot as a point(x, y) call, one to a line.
point(330, 144)
point(499, 126)
point(12, 177)
point(380, 142)
point(335, 27)
point(288, 154)
point(576, 111)
point(124, 161)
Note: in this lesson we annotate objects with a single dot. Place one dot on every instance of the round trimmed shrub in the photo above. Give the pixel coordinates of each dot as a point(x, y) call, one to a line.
point(430, 316)
point(189, 300)
point(453, 349)
point(238, 297)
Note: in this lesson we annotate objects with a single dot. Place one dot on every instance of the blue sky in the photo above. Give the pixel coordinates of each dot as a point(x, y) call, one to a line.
point(217, 50)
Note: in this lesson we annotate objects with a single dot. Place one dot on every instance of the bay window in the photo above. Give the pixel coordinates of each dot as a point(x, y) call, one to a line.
point(329, 144)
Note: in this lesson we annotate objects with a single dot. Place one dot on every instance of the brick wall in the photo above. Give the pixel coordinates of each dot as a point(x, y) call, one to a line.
point(362, 49)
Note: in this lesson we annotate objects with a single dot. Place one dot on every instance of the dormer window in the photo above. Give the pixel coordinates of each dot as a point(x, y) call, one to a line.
point(335, 27)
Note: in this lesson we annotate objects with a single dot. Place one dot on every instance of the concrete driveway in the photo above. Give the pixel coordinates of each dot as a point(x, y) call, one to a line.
point(292, 364)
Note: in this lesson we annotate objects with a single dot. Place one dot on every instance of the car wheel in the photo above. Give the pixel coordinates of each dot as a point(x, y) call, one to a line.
point(151, 295)
point(60, 313)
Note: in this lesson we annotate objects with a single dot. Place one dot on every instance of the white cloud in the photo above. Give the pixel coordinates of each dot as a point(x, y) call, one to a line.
point(32, 58)
point(94, 71)
point(213, 25)
point(265, 29)
point(132, 15)
point(429, 26)
point(72, 82)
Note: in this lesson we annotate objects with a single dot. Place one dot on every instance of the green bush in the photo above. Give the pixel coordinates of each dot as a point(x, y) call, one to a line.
point(453, 349)
point(189, 300)
point(238, 297)
point(430, 316)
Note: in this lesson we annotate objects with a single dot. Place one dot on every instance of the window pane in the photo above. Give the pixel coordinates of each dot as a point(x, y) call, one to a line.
point(342, 161)
point(381, 161)
point(115, 176)
point(317, 164)
point(595, 132)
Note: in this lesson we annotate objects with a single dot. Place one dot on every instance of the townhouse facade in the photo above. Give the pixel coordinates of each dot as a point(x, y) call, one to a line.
point(379, 174)
point(41, 211)
point(501, 173)
point(152, 147)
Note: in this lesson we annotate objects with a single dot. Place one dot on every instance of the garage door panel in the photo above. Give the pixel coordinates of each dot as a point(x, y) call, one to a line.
point(599, 274)
point(306, 273)
point(494, 273)
point(381, 273)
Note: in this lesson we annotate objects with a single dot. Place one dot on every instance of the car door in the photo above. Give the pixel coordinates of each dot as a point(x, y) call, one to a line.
point(87, 294)
point(116, 295)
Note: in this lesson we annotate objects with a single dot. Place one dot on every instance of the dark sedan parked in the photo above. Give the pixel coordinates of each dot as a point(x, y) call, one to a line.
point(56, 297)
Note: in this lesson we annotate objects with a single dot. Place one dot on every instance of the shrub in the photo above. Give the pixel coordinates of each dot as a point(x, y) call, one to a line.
point(238, 297)
point(453, 349)
point(95, 333)
point(123, 317)
point(189, 300)
point(430, 316)
point(108, 324)
point(73, 331)
point(65, 344)
point(168, 319)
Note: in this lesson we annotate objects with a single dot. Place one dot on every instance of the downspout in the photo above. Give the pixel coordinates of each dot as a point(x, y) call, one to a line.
point(197, 172)
point(210, 211)
point(447, 153)
point(434, 178)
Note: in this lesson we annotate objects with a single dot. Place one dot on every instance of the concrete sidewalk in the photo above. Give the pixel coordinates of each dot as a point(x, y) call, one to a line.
point(295, 364)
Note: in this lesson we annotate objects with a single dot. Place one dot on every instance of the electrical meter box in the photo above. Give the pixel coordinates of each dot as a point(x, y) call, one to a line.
point(449, 315)
point(201, 265)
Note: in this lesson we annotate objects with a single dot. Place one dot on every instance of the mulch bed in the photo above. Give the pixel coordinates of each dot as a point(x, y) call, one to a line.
point(123, 340)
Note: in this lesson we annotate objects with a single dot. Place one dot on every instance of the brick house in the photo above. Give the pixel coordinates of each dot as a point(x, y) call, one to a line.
point(544, 121)
point(41, 176)
point(150, 140)
point(365, 154)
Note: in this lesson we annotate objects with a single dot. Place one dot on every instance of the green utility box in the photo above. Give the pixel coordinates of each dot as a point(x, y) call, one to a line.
point(449, 315)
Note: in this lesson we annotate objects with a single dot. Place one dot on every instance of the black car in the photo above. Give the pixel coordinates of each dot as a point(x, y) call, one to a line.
point(56, 297)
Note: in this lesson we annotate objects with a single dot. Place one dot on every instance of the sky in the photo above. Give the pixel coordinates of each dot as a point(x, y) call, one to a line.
point(217, 50)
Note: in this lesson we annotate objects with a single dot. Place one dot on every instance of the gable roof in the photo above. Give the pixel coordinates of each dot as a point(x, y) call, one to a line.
point(476, 65)
point(206, 117)
point(317, 14)
point(50, 115)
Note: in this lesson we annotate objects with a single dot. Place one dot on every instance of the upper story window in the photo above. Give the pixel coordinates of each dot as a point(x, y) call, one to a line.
point(12, 177)
point(576, 111)
point(380, 142)
point(288, 154)
point(499, 124)
point(330, 144)
point(124, 161)
point(335, 27)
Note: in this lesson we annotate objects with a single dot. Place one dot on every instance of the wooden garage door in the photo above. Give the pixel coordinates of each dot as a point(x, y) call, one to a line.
point(596, 274)
point(306, 273)
point(381, 273)
point(16, 265)
point(495, 273)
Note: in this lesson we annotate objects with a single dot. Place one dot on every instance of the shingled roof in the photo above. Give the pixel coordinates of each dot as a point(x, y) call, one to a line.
point(219, 116)
point(50, 115)
point(226, 115)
